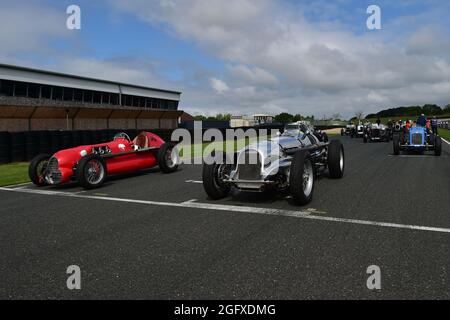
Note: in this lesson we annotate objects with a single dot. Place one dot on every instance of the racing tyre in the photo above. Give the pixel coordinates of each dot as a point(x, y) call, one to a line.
point(336, 159)
point(302, 178)
point(213, 175)
point(437, 146)
point(168, 157)
point(36, 170)
point(396, 144)
point(91, 171)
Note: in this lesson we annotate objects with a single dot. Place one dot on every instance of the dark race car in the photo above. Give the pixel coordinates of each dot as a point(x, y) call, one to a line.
point(90, 165)
point(377, 132)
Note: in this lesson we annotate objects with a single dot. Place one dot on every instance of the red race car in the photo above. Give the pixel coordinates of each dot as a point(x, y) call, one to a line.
point(90, 165)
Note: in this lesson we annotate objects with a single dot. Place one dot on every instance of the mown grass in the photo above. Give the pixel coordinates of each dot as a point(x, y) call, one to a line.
point(444, 133)
point(13, 173)
point(205, 148)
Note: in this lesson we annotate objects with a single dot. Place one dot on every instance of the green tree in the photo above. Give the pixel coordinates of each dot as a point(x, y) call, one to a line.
point(431, 109)
point(284, 117)
point(199, 118)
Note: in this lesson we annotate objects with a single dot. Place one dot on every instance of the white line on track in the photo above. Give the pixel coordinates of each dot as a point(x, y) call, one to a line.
point(416, 156)
point(446, 141)
point(307, 214)
point(19, 185)
point(194, 181)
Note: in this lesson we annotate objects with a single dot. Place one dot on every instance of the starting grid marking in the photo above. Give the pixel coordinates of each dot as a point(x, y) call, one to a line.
point(305, 214)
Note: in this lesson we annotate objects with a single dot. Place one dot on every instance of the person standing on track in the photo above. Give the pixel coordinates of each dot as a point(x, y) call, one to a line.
point(422, 121)
point(408, 125)
point(434, 125)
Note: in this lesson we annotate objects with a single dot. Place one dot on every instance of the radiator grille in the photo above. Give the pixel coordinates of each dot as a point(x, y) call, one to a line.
point(53, 174)
point(376, 133)
point(416, 138)
point(250, 166)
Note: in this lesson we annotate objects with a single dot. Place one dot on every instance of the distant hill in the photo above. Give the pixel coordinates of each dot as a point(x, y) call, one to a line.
point(428, 109)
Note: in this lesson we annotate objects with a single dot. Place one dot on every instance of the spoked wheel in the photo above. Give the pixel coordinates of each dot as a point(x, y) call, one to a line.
point(37, 169)
point(91, 172)
point(302, 178)
point(168, 157)
point(213, 179)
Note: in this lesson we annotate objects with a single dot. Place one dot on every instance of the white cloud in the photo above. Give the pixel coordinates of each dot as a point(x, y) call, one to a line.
point(219, 85)
point(275, 59)
point(26, 27)
point(279, 58)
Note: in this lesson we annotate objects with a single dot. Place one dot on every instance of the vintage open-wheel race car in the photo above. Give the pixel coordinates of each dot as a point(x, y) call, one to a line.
point(377, 133)
point(418, 140)
point(290, 162)
point(91, 164)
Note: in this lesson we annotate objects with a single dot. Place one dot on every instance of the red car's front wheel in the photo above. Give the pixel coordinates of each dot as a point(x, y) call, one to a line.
point(91, 171)
point(37, 168)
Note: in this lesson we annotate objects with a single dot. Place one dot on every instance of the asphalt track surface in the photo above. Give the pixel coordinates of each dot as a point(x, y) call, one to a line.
point(154, 236)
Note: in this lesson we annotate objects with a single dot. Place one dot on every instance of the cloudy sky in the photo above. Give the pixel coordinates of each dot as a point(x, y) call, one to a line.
point(314, 57)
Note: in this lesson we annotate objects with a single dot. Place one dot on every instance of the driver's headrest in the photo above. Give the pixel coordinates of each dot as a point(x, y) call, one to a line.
point(141, 140)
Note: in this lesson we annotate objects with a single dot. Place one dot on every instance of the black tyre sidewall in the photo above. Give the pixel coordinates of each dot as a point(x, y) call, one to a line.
point(81, 178)
point(212, 189)
point(396, 145)
point(296, 178)
point(438, 146)
point(334, 153)
point(161, 158)
point(32, 169)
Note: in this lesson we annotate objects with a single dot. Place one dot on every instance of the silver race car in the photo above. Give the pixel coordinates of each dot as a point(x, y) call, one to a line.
point(291, 161)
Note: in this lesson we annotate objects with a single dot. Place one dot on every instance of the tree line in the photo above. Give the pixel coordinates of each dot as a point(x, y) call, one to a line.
point(428, 109)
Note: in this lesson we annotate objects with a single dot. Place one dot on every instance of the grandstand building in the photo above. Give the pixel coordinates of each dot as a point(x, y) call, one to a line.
point(32, 99)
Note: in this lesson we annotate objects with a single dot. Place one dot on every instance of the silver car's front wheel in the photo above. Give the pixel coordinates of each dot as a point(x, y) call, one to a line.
point(302, 178)
point(308, 177)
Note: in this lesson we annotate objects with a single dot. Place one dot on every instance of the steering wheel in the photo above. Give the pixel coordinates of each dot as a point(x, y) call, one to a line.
point(122, 135)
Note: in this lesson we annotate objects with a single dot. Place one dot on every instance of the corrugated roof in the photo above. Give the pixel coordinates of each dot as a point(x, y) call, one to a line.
point(72, 76)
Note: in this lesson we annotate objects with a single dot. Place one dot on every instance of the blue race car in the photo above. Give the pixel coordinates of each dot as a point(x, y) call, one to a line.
point(417, 139)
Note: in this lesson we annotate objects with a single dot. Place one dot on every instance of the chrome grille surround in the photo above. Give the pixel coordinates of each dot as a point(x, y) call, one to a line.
point(53, 174)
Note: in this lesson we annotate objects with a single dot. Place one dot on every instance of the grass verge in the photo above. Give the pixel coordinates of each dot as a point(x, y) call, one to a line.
point(444, 133)
point(13, 173)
